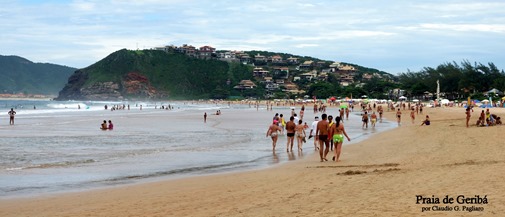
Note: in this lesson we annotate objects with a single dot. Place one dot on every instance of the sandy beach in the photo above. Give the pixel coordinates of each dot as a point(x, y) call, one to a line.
point(381, 176)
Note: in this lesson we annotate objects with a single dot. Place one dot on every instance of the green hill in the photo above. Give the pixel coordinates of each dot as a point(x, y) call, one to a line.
point(19, 75)
point(127, 74)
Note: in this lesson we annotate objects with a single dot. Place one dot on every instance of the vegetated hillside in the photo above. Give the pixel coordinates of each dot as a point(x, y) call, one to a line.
point(127, 74)
point(19, 75)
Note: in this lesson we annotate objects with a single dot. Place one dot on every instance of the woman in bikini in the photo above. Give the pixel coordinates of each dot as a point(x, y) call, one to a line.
point(399, 116)
point(338, 138)
point(273, 131)
point(300, 134)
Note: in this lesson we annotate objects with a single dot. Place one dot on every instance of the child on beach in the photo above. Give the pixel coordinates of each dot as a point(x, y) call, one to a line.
point(426, 121)
point(111, 126)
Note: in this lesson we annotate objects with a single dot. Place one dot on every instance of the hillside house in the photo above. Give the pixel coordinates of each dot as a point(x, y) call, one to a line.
point(206, 52)
point(346, 79)
point(323, 76)
point(275, 59)
point(281, 72)
point(292, 60)
point(188, 50)
point(308, 75)
point(260, 72)
point(245, 58)
point(307, 65)
point(260, 59)
point(292, 88)
point(245, 84)
point(320, 63)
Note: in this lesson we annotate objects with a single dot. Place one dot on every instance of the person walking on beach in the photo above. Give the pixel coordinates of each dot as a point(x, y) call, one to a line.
point(373, 119)
point(364, 118)
point(11, 116)
point(412, 115)
point(302, 112)
point(273, 132)
point(300, 134)
point(380, 112)
point(282, 123)
point(330, 133)
point(338, 137)
point(205, 117)
point(313, 130)
point(290, 133)
point(322, 134)
point(399, 116)
point(468, 115)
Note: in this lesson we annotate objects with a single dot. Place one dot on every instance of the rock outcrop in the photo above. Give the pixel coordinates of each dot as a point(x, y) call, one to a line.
point(133, 84)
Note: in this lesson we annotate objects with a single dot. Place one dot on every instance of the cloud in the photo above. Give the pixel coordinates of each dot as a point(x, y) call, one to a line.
point(386, 34)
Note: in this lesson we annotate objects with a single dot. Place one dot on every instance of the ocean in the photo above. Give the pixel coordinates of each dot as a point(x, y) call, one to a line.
point(58, 147)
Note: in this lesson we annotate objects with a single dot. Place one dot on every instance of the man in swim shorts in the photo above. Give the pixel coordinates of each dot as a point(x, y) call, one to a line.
point(290, 133)
point(364, 118)
point(322, 134)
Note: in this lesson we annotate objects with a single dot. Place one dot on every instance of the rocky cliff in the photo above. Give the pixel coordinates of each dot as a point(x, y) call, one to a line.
point(132, 84)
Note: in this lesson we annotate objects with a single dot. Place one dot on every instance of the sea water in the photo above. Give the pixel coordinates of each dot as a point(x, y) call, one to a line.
point(57, 147)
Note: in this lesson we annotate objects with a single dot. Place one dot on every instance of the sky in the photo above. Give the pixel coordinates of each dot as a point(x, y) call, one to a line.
point(394, 36)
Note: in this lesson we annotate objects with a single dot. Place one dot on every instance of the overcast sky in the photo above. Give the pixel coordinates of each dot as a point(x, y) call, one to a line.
point(393, 36)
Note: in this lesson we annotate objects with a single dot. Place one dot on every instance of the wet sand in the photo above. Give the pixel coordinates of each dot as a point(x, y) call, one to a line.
point(380, 176)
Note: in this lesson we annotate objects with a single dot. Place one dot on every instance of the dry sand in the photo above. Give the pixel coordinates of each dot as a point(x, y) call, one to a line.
point(377, 177)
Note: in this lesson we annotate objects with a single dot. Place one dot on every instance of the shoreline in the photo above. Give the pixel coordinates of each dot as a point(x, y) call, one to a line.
point(379, 176)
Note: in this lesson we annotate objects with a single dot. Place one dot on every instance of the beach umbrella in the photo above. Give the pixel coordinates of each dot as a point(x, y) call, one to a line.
point(485, 101)
point(402, 98)
point(332, 98)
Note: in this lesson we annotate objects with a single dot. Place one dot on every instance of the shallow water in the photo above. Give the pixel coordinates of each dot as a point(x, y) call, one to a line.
point(57, 147)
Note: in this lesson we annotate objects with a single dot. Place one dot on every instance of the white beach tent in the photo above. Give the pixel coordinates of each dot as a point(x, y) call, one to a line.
point(494, 91)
